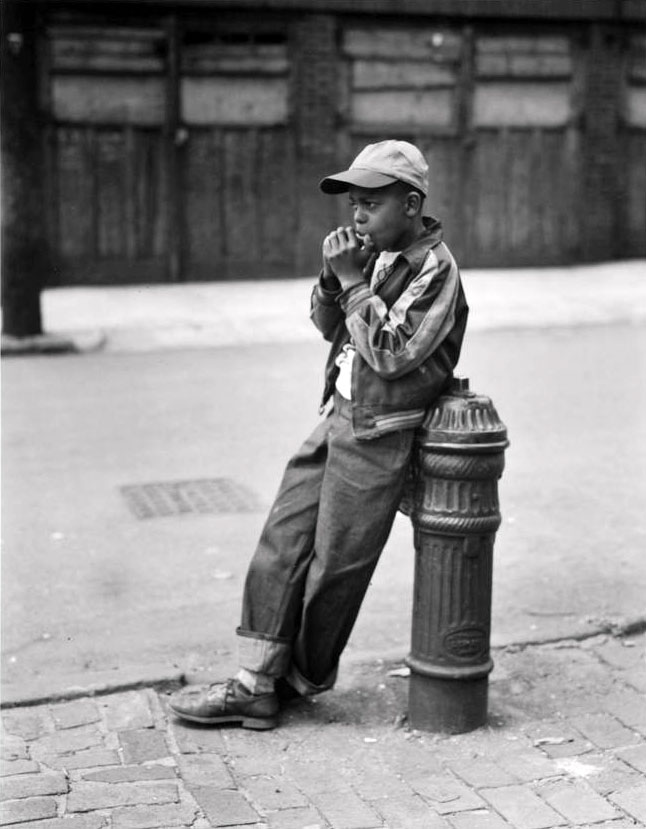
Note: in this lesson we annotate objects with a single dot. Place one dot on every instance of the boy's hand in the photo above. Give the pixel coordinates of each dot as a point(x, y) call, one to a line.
point(344, 256)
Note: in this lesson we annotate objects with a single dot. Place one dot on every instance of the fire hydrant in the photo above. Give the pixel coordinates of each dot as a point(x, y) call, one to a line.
point(453, 505)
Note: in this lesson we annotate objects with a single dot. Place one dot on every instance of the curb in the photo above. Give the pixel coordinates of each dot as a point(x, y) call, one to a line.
point(161, 681)
point(38, 344)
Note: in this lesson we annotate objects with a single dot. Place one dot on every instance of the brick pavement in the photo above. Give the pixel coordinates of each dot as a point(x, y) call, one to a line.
point(565, 747)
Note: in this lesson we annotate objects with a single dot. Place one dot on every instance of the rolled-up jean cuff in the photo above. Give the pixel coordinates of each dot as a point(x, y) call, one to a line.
point(262, 654)
point(307, 688)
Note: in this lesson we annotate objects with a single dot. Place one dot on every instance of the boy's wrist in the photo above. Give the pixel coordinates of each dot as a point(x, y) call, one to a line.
point(349, 280)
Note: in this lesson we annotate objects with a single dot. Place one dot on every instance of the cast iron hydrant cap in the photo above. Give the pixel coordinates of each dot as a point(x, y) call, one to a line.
point(464, 418)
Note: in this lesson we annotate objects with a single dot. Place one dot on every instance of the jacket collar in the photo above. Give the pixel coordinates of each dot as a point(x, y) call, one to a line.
point(416, 253)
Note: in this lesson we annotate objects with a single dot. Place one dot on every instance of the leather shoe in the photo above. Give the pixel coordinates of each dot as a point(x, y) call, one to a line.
point(226, 702)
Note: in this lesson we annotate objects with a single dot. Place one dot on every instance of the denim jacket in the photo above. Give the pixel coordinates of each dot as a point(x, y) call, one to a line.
point(407, 330)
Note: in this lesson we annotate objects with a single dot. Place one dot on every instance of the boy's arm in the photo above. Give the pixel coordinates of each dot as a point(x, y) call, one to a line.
point(325, 311)
point(396, 341)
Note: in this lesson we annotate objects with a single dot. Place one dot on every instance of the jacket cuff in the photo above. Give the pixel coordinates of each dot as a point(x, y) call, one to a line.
point(324, 295)
point(351, 299)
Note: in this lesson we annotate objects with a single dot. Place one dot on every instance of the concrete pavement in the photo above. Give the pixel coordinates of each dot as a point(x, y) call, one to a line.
point(566, 740)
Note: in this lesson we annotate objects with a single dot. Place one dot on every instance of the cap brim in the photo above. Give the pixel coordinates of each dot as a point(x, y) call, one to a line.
point(341, 182)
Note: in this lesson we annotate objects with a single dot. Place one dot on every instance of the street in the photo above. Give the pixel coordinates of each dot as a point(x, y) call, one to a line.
point(90, 590)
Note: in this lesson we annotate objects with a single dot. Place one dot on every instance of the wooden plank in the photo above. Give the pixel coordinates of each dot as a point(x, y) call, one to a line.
point(234, 101)
point(523, 66)
point(633, 237)
point(486, 197)
point(203, 189)
point(94, 32)
point(108, 100)
point(571, 204)
point(147, 196)
point(240, 195)
point(429, 43)
point(129, 203)
point(523, 241)
point(100, 54)
point(221, 57)
point(277, 189)
point(175, 244)
point(432, 108)
point(216, 65)
point(402, 74)
point(521, 104)
point(110, 172)
point(75, 194)
point(546, 193)
point(523, 44)
point(153, 197)
point(442, 158)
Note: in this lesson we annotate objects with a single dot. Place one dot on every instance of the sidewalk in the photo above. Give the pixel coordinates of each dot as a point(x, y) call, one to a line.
point(195, 315)
point(565, 747)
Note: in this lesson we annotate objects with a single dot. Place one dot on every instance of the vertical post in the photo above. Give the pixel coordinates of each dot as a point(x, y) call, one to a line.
point(314, 81)
point(455, 517)
point(175, 198)
point(601, 149)
point(24, 236)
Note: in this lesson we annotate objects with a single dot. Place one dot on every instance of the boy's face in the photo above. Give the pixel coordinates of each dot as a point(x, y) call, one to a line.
point(382, 215)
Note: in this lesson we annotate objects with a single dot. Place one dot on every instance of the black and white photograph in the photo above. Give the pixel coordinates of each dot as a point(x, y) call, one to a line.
point(323, 427)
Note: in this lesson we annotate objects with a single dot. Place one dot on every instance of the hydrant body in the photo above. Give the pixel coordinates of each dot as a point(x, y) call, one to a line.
point(455, 514)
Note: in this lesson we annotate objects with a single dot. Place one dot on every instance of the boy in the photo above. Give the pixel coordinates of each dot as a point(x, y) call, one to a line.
point(390, 301)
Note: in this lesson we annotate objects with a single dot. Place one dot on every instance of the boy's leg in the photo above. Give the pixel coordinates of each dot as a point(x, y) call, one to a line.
point(273, 593)
point(359, 498)
point(272, 600)
point(317, 552)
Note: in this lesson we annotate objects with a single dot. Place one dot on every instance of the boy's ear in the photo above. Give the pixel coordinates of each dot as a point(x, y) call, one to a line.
point(412, 203)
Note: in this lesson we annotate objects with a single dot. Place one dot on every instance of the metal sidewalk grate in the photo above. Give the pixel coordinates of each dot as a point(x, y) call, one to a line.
point(211, 495)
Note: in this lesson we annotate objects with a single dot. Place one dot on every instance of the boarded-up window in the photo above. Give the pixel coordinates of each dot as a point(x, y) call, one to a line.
point(522, 81)
point(523, 57)
point(635, 102)
point(235, 78)
point(111, 75)
point(402, 77)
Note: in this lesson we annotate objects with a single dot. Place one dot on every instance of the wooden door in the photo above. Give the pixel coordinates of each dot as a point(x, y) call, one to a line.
point(104, 89)
point(522, 195)
point(238, 154)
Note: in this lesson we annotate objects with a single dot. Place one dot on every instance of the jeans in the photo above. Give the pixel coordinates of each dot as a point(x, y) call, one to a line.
point(320, 544)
